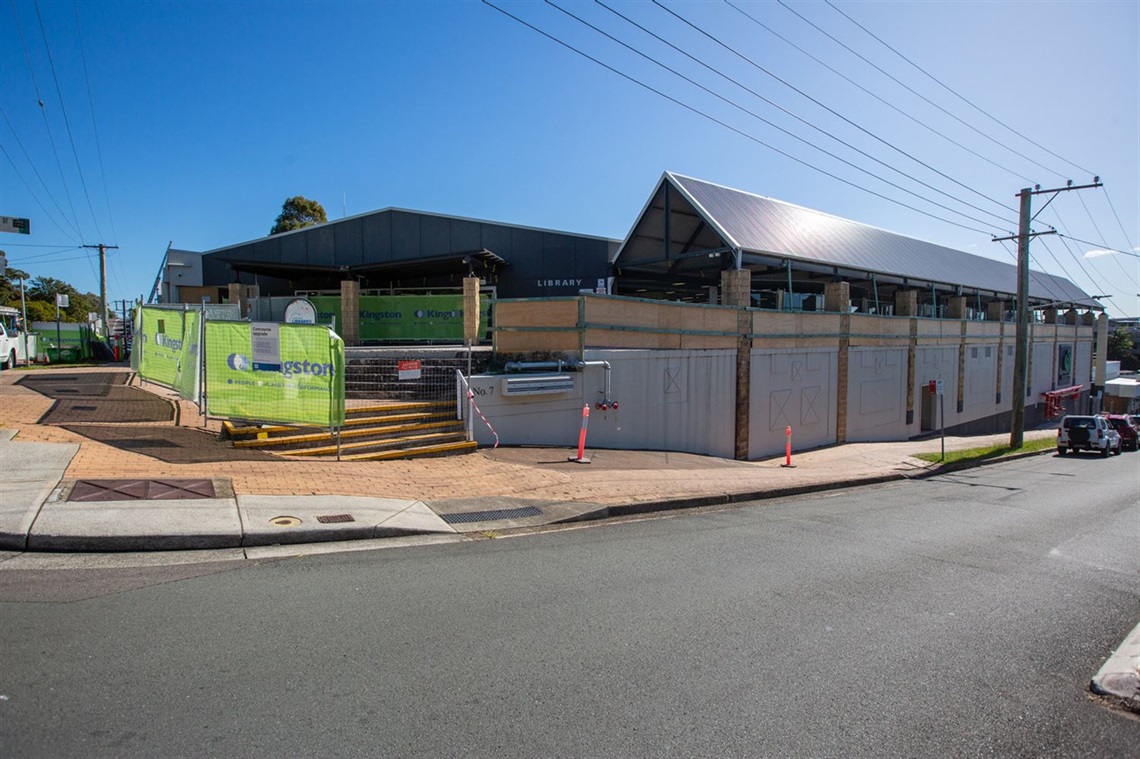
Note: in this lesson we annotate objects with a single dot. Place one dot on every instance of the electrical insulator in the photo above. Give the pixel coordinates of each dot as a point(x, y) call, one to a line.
point(614, 405)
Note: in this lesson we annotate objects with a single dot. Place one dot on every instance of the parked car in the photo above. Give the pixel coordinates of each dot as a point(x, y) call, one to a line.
point(1126, 428)
point(1087, 433)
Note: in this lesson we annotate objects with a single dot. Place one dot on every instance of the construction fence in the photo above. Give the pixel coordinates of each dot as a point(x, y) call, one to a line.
point(252, 371)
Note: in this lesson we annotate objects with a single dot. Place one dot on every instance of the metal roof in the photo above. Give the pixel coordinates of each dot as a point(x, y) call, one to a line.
point(764, 226)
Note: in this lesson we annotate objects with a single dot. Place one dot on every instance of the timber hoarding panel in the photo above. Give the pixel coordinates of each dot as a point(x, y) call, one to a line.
point(536, 325)
point(794, 330)
point(979, 331)
point(938, 331)
point(890, 331)
point(658, 325)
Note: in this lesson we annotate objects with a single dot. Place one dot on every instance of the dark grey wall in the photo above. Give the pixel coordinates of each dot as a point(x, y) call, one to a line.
point(540, 263)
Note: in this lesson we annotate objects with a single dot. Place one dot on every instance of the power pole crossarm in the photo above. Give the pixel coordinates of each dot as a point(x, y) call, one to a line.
point(1021, 351)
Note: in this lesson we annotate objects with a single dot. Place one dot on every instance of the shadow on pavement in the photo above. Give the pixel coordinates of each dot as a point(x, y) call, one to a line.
point(174, 445)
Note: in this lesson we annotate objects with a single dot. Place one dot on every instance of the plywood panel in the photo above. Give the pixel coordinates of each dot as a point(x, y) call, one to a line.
point(536, 313)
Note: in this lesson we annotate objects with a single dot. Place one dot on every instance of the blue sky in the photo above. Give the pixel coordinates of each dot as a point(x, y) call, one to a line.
point(192, 122)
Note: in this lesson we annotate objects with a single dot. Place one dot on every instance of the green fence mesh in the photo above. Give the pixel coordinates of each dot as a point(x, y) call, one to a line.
point(268, 372)
point(405, 317)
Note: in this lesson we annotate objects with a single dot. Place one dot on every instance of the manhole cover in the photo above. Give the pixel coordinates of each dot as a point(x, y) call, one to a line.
point(284, 521)
point(140, 490)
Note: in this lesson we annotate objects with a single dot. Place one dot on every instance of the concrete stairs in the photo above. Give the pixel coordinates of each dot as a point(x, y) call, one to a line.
point(376, 432)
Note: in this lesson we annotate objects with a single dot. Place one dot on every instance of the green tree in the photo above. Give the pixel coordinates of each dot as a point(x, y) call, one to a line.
point(297, 212)
point(1119, 344)
point(10, 287)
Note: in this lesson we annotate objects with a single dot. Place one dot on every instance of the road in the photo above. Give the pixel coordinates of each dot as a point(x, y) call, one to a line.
point(956, 616)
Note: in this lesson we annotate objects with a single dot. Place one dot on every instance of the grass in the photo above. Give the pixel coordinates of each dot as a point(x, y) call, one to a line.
point(988, 452)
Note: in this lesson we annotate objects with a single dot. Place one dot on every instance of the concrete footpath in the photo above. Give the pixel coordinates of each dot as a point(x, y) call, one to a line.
point(67, 428)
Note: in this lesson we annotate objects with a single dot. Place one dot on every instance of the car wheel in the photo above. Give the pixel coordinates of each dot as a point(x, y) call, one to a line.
point(1105, 451)
point(9, 361)
point(1062, 450)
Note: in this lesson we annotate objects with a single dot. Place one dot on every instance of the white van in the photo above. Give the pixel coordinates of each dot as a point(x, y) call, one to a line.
point(14, 345)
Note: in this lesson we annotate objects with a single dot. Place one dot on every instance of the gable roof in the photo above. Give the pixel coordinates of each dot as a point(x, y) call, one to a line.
point(765, 228)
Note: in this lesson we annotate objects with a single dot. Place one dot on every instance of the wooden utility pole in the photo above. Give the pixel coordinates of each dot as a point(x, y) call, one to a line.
point(103, 284)
point(1021, 340)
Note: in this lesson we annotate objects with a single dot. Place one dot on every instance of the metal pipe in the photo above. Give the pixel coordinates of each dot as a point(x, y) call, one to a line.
point(513, 366)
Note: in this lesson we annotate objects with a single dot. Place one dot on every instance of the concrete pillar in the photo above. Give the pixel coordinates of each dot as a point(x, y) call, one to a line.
point(349, 327)
point(1050, 316)
point(1101, 350)
point(736, 287)
point(956, 307)
point(1071, 317)
point(736, 290)
point(1088, 318)
point(237, 295)
point(995, 311)
point(837, 297)
point(906, 302)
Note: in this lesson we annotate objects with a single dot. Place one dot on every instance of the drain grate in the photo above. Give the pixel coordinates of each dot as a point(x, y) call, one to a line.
point(140, 490)
point(334, 518)
point(84, 408)
point(487, 516)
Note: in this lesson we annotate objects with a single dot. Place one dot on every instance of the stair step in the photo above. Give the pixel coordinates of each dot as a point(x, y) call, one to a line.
point(407, 453)
point(383, 408)
point(359, 427)
point(330, 450)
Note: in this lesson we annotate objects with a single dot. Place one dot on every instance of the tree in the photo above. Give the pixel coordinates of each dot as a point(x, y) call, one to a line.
point(1119, 344)
point(297, 212)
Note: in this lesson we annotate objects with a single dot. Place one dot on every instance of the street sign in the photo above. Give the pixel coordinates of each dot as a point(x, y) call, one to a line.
point(61, 300)
point(939, 387)
point(12, 224)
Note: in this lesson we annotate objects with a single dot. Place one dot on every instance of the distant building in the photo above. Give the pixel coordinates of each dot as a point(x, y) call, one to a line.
point(395, 250)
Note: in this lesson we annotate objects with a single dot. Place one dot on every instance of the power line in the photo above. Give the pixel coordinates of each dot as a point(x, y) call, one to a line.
point(94, 126)
point(1064, 241)
point(33, 194)
point(892, 106)
point(1127, 239)
point(1101, 246)
point(715, 120)
point(43, 112)
point(34, 169)
point(784, 110)
point(66, 121)
point(830, 110)
point(1101, 235)
point(1032, 274)
point(955, 94)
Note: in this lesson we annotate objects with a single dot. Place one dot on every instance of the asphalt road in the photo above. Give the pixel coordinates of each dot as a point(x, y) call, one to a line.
point(957, 616)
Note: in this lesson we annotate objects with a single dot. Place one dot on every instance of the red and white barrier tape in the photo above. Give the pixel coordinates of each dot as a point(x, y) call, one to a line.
point(471, 398)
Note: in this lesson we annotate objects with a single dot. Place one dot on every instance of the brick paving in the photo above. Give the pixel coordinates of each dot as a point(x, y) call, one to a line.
point(189, 448)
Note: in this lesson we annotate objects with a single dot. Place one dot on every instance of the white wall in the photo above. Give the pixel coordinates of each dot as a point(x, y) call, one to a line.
point(796, 389)
point(876, 394)
point(667, 400)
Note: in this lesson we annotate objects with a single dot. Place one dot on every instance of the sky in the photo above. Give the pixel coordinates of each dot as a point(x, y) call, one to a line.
point(189, 123)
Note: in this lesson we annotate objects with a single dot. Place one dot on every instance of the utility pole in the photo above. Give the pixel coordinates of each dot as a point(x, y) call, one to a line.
point(1021, 341)
point(103, 283)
